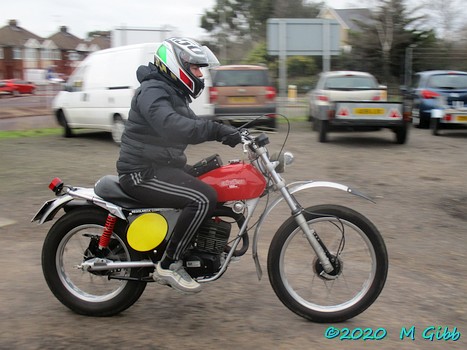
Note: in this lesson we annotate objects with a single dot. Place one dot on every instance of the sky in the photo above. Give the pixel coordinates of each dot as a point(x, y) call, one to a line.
point(44, 17)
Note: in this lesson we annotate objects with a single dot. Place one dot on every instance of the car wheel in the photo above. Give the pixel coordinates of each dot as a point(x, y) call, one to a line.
point(401, 134)
point(117, 129)
point(15, 93)
point(424, 123)
point(435, 126)
point(323, 126)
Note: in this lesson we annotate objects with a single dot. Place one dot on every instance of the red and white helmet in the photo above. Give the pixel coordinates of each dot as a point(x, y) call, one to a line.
point(174, 57)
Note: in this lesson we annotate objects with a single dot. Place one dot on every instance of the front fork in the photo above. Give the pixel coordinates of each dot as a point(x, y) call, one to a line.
point(297, 211)
point(318, 246)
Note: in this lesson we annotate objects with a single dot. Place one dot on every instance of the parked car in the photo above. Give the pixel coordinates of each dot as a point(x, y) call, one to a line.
point(350, 100)
point(344, 86)
point(436, 89)
point(242, 94)
point(17, 86)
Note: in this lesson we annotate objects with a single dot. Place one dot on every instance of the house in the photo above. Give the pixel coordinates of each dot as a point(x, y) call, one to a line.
point(71, 48)
point(25, 55)
point(19, 50)
point(348, 20)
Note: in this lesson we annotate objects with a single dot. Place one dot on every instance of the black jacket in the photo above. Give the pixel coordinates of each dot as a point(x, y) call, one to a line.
point(161, 125)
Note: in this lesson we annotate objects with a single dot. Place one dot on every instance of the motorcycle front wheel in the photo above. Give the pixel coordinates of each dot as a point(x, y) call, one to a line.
point(299, 280)
point(68, 244)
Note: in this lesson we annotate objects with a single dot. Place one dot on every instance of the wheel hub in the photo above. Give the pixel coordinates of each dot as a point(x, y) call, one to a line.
point(336, 263)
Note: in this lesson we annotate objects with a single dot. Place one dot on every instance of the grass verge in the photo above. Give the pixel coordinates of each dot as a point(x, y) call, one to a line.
point(11, 134)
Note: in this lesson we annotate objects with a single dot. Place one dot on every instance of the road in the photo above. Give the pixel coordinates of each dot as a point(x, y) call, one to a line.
point(421, 211)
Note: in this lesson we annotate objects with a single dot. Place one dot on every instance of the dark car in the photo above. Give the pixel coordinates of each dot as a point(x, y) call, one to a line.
point(434, 89)
point(242, 94)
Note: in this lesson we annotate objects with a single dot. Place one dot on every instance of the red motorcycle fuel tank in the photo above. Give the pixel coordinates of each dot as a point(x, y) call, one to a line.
point(236, 181)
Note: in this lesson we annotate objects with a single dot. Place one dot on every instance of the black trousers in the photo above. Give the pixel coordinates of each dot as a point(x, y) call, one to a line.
point(174, 188)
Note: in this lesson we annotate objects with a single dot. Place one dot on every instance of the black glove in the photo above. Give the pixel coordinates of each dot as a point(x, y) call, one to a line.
point(232, 139)
point(228, 135)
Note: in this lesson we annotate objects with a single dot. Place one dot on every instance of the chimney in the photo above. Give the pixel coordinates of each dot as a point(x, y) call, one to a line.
point(13, 23)
point(63, 29)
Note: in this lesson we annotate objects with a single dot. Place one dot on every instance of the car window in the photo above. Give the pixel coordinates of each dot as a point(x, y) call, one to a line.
point(349, 82)
point(241, 78)
point(448, 81)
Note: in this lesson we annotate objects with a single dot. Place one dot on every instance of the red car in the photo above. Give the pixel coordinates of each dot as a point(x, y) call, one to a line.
point(16, 87)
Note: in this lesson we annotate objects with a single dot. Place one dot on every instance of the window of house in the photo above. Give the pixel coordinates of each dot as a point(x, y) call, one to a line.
point(17, 53)
point(30, 54)
point(1, 53)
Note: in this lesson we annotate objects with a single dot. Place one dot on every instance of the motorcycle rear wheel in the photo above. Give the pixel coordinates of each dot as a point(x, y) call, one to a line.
point(87, 293)
point(297, 276)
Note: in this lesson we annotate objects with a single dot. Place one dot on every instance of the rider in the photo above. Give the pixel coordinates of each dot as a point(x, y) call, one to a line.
point(152, 164)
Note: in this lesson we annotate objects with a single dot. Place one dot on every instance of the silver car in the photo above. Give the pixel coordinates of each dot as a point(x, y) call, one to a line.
point(344, 86)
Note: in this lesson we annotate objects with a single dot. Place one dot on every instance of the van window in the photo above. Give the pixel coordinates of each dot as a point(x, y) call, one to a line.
point(75, 81)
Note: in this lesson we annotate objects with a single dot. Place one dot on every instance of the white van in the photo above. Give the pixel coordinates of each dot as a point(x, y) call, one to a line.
point(98, 94)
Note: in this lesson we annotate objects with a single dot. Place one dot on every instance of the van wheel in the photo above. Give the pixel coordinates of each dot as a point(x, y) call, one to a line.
point(67, 132)
point(117, 129)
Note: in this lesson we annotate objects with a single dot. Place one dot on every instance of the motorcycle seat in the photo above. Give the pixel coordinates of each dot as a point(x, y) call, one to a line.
point(108, 188)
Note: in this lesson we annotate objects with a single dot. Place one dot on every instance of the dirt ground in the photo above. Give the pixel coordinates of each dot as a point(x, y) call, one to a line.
point(420, 209)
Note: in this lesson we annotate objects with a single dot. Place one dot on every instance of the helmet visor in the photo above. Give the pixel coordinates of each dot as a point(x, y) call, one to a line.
point(201, 56)
point(211, 59)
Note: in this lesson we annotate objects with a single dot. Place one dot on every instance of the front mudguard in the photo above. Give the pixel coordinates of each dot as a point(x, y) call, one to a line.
point(295, 187)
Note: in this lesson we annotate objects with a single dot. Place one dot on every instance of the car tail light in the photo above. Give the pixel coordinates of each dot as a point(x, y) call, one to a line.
point(428, 94)
point(213, 94)
point(448, 117)
point(322, 98)
point(376, 98)
point(270, 93)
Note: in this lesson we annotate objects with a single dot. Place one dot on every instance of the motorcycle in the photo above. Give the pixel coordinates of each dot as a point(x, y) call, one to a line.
point(326, 263)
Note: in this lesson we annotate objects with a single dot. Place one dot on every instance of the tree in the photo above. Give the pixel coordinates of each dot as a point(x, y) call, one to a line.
point(384, 37)
point(446, 16)
point(247, 19)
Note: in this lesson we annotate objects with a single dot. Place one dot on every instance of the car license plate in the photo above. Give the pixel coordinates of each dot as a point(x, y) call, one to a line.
point(242, 99)
point(461, 118)
point(369, 111)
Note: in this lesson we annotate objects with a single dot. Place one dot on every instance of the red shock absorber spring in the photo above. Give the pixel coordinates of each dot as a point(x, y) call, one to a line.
point(108, 229)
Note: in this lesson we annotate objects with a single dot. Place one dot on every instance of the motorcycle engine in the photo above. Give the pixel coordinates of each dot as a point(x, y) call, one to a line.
point(204, 258)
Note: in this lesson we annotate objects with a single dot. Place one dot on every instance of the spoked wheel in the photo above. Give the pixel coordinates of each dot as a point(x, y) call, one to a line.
point(71, 242)
point(360, 261)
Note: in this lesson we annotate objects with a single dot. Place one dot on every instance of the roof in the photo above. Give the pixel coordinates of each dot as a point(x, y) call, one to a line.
point(14, 35)
point(345, 72)
point(65, 40)
point(349, 18)
point(240, 67)
point(435, 72)
point(352, 16)
point(102, 42)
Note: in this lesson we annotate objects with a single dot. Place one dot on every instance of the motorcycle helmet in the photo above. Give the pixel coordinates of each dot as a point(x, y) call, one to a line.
point(174, 57)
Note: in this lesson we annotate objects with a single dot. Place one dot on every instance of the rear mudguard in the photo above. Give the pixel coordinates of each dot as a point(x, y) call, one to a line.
point(295, 187)
point(83, 196)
